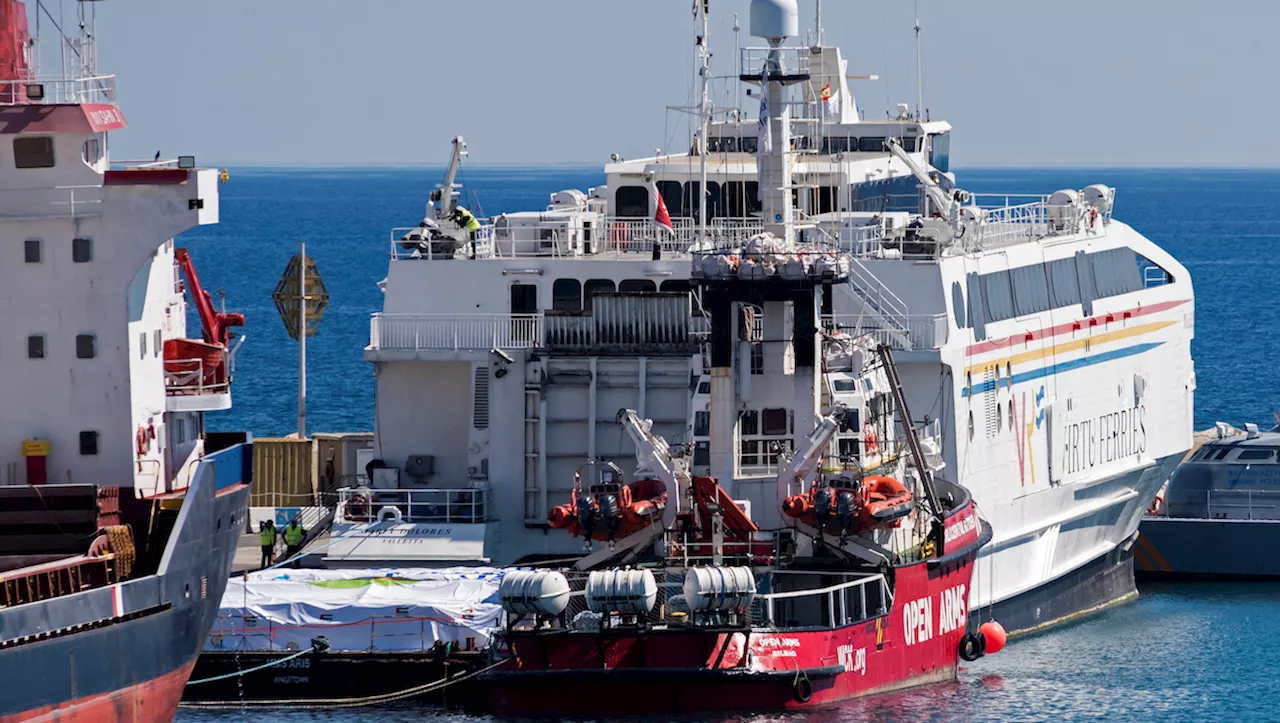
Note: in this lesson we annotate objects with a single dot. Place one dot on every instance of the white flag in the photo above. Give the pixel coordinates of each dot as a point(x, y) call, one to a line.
point(831, 105)
point(764, 134)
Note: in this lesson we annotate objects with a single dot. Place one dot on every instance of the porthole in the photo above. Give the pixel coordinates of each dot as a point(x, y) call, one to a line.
point(970, 425)
point(999, 417)
point(1008, 374)
point(1010, 415)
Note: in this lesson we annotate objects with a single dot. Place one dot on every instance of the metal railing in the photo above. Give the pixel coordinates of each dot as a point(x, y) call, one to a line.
point(782, 62)
point(57, 202)
point(59, 90)
point(1223, 505)
point(455, 331)
point(917, 332)
point(460, 505)
point(848, 602)
point(190, 377)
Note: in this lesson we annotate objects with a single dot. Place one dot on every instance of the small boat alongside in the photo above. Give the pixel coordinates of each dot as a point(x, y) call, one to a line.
point(1218, 505)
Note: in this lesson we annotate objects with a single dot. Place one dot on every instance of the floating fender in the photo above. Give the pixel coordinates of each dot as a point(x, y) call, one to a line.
point(972, 646)
point(993, 636)
point(802, 691)
point(390, 513)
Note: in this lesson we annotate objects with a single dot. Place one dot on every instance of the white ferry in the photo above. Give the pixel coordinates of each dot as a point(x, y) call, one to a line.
point(1043, 344)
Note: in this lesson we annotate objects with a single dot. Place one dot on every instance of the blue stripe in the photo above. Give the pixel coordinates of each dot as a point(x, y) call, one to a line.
point(1066, 366)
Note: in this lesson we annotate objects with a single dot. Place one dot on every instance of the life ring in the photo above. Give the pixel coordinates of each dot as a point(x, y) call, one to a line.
point(802, 690)
point(142, 440)
point(973, 646)
point(870, 442)
point(390, 512)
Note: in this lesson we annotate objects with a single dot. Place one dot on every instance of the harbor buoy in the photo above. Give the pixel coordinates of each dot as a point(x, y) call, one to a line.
point(995, 635)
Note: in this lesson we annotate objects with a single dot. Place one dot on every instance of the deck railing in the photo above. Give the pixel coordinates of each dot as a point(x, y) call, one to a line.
point(456, 331)
point(921, 332)
point(59, 90)
point(461, 505)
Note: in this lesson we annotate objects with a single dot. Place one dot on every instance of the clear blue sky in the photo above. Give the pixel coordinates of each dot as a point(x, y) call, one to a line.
point(1081, 83)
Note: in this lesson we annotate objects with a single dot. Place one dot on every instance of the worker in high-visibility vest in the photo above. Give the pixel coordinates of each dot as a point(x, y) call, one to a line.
point(267, 534)
point(467, 221)
point(293, 537)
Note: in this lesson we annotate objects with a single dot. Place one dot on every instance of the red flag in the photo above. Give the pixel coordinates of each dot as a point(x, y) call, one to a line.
point(662, 218)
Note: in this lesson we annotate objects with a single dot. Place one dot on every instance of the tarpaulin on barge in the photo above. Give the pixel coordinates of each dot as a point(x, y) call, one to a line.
point(383, 609)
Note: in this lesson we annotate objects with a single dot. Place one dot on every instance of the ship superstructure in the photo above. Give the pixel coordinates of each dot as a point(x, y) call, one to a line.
point(1043, 344)
point(118, 513)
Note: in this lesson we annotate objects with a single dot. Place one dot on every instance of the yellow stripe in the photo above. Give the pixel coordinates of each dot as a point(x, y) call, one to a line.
point(1070, 346)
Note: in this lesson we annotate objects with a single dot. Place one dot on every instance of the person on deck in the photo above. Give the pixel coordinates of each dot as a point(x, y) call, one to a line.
point(267, 534)
point(293, 537)
point(467, 221)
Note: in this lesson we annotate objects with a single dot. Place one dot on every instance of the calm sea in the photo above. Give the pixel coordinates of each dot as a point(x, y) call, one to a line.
point(1186, 652)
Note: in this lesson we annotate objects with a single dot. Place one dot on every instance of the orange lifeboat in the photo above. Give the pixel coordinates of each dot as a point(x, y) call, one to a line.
point(885, 500)
point(845, 506)
point(604, 515)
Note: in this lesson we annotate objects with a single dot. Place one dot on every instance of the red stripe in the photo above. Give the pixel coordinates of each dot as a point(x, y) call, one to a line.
point(1036, 335)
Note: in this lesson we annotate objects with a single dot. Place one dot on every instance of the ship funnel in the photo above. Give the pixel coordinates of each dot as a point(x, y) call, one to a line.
point(775, 20)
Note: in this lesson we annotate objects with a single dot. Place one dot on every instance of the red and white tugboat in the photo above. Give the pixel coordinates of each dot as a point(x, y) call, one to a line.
point(843, 572)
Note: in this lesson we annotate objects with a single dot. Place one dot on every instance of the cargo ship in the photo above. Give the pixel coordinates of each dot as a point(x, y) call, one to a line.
point(119, 513)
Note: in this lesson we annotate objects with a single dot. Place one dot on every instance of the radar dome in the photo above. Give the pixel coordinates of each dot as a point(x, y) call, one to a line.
point(775, 19)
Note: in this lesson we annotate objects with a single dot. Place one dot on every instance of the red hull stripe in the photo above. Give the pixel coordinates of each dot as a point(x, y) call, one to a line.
point(153, 701)
point(1038, 334)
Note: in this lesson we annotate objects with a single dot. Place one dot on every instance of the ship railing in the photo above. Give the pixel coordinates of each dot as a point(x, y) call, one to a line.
point(1225, 505)
point(918, 332)
point(847, 603)
point(192, 376)
point(457, 332)
point(60, 90)
point(783, 63)
point(467, 505)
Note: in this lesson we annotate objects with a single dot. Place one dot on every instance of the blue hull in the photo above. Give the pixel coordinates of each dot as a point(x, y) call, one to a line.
point(1187, 548)
point(112, 653)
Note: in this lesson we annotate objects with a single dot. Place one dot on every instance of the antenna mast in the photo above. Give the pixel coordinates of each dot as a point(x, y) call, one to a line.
point(704, 113)
point(919, 81)
point(818, 22)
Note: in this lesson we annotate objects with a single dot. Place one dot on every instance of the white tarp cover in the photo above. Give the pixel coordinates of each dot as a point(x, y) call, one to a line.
point(387, 609)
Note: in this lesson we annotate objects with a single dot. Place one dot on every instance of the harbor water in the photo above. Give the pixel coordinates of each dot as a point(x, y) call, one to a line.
point(1181, 652)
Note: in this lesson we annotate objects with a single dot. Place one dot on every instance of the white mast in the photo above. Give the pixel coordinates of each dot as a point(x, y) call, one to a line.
point(919, 82)
point(817, 21)
point(704, 113)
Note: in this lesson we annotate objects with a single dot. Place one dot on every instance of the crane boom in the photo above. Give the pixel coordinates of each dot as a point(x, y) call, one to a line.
point(216, 325)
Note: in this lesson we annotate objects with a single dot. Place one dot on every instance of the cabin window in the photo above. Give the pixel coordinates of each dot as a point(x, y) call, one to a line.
point(957, 304)
point(728, 145)
point(741, 199)
point(1030, 289)
point(940, 151)
point(691, 198)
point(86, 346)
point(873, 144)
point(702, 454)
point(1255, 455)
point(31, 251)
point(33, 152)
point(1115, 272)
point(849, 419)
point(715, 200)
point(142, 345)
point(88, 443)
point(566, 295)
point(81, 250)
point(828, 199)
point(679, 286)
point(673, 196)
point(159, 343)
point(749, 144)
point(92, 151)
point(637, 286)
point(704, 387)
point(909, 143)
point(998, 292)
point(757, 358)
point(702, 424)
point(1064, 285)
point(632, 202)
point(524, 299)
point(1152, 273)
point(35, 346)
point(594, 287)
point(774, 422)
point(834, 145)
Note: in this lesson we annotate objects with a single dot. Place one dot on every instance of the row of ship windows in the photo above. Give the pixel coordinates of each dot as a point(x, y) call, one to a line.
point(732, 199)
point(81, 251)
point(1031, 289)
point(571, 295)
point(87, 345)
point(829, 145)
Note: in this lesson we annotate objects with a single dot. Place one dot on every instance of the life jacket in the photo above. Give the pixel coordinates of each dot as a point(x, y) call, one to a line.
point(293, 535)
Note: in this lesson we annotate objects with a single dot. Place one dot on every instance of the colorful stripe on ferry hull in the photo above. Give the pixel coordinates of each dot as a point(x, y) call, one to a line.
point(1047, 353)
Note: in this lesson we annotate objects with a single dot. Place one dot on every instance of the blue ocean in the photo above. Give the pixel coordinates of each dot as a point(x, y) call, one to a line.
point(1181, 652)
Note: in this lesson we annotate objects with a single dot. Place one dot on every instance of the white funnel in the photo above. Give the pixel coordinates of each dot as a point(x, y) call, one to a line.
point(775, 20)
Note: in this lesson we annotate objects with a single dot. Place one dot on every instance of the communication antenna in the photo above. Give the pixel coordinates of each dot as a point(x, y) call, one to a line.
point(919, 80)
point(818, 22)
